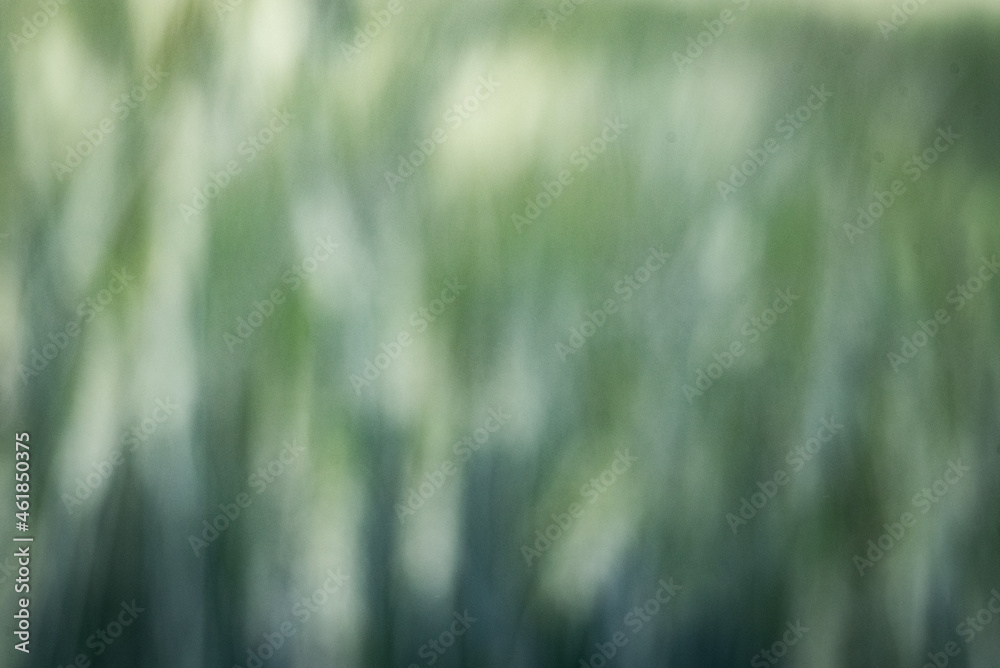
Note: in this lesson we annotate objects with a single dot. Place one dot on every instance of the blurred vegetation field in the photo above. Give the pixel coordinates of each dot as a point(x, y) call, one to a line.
point(580, 333)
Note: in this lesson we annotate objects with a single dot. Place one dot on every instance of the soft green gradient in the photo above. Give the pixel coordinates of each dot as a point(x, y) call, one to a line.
point(323, 177)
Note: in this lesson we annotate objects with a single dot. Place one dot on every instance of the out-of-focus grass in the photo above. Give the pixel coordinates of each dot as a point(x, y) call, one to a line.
point(495, 345)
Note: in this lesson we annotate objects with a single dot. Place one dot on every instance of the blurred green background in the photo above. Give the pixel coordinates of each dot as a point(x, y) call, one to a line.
point(222, 221)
